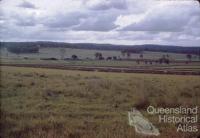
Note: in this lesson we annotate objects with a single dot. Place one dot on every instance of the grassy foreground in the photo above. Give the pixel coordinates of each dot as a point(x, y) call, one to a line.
point(52, 103)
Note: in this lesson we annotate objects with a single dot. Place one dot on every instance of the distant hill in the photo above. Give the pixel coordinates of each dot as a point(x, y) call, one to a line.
point(89, 46)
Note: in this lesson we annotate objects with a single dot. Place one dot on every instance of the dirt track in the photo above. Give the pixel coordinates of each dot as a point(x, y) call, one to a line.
point(111, 69)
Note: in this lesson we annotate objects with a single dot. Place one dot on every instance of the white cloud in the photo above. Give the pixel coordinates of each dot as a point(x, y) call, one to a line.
point(63, 20)
point(101, 21)
point(26, 4)
point(170, 18)
point(105, 4)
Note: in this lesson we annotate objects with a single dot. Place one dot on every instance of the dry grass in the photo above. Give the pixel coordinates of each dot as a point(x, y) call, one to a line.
point(73, 104)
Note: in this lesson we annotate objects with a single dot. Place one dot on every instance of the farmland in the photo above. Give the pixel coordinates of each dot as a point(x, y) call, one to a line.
point(59, 103)
point(90, 54)
point(50, 94)
point(52, 58)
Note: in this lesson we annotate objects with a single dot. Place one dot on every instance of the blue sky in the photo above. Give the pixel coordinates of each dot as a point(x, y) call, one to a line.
point(102, 21)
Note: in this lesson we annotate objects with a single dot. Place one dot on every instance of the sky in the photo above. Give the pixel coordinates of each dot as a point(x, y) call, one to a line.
point(127, 22)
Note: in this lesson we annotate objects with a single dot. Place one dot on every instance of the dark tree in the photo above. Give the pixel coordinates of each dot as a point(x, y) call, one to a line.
point(164, 60)
point(74, 57)
point(189, 57)
point(160, 61)
point(98, 56)
point(109, 58)
point(128, 54)
point(167, 61)
point(114, 58)
point(141, 56)
point(123, 53)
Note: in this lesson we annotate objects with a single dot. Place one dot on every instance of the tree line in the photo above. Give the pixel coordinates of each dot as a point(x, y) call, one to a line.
point(89, 46)
point(23, 49)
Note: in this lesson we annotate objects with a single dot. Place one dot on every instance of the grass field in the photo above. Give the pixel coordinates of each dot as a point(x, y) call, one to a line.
point(85, 53)
point(52, 103)
point(178, 62)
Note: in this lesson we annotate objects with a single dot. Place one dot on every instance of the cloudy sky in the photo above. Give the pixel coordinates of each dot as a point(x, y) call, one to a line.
point(102, 21)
